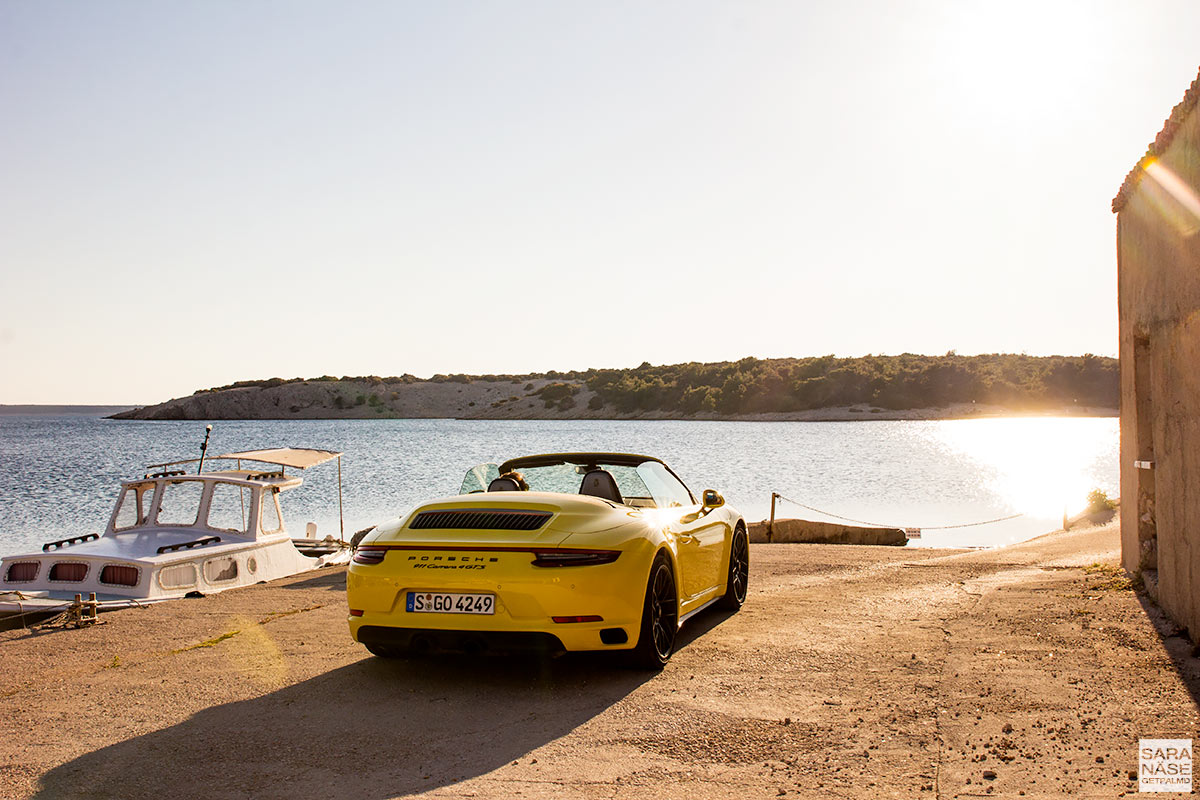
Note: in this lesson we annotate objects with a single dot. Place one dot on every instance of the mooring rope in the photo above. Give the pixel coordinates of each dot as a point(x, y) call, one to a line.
point(904, 527)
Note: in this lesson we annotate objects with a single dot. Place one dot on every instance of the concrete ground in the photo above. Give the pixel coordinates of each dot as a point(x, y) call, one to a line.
point(851, 672)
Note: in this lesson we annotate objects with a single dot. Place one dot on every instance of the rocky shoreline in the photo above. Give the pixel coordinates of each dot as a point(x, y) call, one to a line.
point(504, 399)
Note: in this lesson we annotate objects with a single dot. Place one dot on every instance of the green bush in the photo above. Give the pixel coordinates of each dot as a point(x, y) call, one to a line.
point(1098, 500)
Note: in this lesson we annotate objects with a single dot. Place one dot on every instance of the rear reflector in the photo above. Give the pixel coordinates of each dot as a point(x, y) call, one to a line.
point(116, 575)
point(573, 558)
point(21, 571)
point(588, 618)
point(368, 555)
point(70, 573)
point(356, 612)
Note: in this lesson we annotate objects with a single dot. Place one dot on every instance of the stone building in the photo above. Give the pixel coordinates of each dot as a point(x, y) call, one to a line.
point(1158, 280)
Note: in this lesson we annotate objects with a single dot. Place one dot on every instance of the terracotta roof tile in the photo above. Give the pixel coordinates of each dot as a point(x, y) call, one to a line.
point(1191, 99)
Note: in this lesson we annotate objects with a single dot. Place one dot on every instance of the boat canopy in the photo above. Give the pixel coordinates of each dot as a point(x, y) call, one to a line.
point(295, 457)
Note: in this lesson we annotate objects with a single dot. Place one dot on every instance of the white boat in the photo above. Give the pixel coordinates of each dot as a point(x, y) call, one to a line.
point(172, 534)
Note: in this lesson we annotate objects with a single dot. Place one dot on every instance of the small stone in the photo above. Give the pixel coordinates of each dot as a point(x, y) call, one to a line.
point(989, 775)
point(1007, 728)
point(1132, 775)
point(1099, 759)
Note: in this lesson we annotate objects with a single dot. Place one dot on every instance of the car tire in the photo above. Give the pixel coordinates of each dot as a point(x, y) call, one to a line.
point(738, 581)
point(386, 650)
point(660, 618)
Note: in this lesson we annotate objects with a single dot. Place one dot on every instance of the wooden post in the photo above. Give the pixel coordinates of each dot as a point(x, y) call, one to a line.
point(771, 523)
point(341, 514)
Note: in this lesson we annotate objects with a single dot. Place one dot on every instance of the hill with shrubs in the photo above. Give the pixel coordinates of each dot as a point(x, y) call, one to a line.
point(826, 387)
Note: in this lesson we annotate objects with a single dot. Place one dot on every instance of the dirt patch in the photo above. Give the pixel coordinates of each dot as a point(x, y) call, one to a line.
point(850, 672)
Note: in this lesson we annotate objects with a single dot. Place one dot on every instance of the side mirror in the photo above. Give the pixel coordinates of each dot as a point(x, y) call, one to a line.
point(713, 499)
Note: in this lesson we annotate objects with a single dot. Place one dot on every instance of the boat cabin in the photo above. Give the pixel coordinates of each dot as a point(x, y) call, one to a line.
point(172, 533)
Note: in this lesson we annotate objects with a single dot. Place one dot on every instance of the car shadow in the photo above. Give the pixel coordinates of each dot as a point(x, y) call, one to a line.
point(377, 728)
point(330, 579)
point(372, 729)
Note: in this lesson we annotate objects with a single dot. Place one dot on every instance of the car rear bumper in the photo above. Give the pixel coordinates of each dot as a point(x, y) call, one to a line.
point(435, 640)
point(549, 637)
point(598, 607)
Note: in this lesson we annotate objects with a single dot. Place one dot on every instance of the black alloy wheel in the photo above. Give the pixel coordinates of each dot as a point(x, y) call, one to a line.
point(660, 618)
point(738, 582)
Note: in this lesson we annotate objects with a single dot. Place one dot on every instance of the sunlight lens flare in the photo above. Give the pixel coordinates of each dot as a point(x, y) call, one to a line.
point(1173, 198)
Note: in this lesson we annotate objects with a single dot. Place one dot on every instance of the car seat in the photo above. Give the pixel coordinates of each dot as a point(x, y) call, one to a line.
point(600, 483)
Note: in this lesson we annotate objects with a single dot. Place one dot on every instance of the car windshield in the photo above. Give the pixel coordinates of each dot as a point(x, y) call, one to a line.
point(648, 485)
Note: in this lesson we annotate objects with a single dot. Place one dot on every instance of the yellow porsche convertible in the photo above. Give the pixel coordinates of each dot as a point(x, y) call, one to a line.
point(566, 551)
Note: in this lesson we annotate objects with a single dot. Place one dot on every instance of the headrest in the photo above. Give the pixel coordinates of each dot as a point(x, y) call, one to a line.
point(601, 483)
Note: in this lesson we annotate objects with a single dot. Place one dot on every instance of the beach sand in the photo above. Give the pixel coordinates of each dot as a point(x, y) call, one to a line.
point(851, 672)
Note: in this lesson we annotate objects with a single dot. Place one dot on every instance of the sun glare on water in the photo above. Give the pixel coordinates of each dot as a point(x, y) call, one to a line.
point(1042, 467)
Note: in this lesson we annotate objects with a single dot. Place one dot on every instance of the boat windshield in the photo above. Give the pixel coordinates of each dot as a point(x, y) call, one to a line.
point(134, 507)
point(179, 503)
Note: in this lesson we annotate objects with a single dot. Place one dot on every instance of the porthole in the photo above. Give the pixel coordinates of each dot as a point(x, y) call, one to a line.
point(68, 572)
point(180, 576)
point(21, 571)
point(119, 575)
point(218, 570)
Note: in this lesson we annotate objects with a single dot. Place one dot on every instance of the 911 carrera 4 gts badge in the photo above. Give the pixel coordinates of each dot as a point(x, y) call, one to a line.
point(452, 562)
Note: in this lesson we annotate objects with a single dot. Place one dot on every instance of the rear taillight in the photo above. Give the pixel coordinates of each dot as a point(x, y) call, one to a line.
point(573, 558)
point(356, 612)
point(587, 618)
point(369, 555)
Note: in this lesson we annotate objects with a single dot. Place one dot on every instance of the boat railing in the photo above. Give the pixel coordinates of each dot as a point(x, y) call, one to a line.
point(87, 537)
point(201, 542)
point(170, 473)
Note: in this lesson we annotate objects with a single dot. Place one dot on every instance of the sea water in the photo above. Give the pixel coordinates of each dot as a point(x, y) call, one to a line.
point(59, 474)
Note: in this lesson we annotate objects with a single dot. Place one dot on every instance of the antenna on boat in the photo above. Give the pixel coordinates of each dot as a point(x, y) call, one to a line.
point(204, 448)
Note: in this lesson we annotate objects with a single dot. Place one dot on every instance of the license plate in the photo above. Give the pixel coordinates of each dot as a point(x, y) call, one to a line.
point(450, 603)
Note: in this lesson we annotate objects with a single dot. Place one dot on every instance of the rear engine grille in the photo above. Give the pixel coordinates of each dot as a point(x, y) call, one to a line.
point(472, 519)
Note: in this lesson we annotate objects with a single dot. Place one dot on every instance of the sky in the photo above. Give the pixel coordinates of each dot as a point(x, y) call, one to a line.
point(194, 193)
